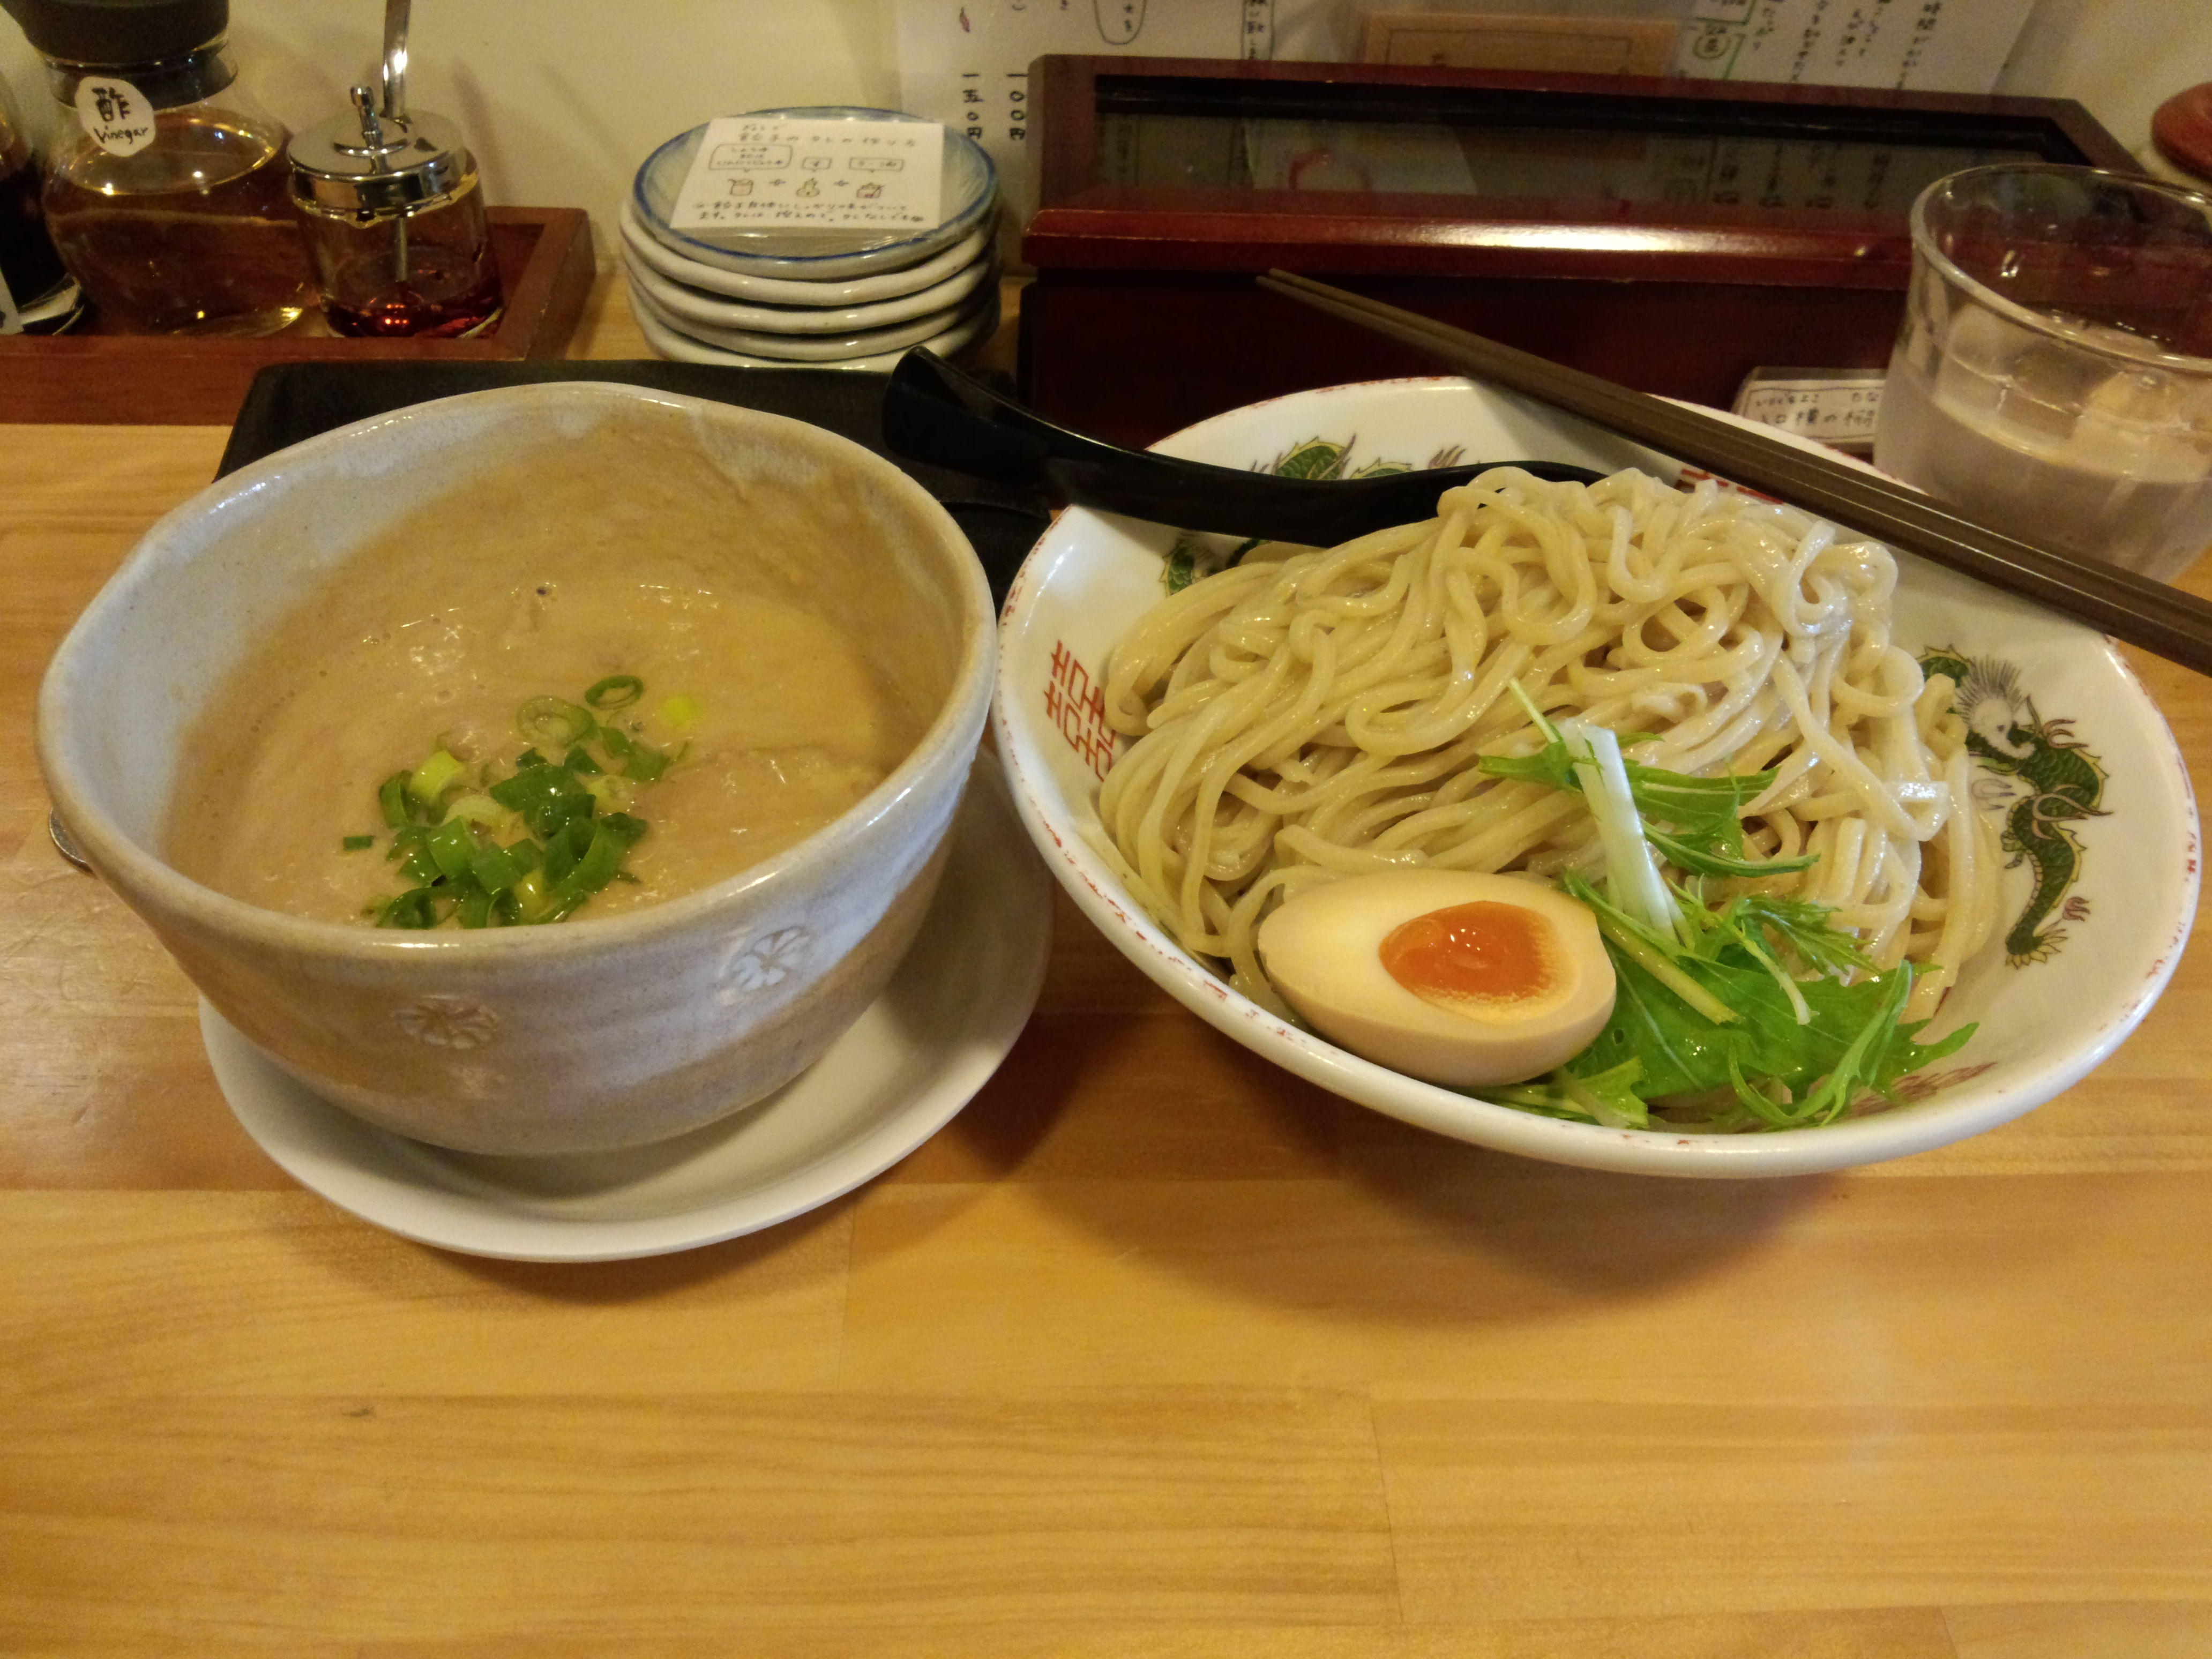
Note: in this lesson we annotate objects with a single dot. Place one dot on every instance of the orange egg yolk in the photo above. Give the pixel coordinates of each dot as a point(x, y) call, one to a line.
point(1485, 952)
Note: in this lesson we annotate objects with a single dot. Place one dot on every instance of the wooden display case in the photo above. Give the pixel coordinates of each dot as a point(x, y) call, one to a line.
point(1670, 234)
point(545, 265)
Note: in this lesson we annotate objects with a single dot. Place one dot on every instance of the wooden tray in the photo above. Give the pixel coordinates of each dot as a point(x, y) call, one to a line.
point(545, 263)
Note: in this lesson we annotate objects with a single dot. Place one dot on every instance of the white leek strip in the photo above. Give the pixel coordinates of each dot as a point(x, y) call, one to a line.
point(1631, 874)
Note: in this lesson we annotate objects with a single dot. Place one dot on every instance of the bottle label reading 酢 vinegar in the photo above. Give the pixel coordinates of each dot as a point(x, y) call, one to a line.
point(119, 117)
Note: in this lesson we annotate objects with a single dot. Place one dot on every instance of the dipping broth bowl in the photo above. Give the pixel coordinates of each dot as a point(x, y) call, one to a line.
point(594, 1034)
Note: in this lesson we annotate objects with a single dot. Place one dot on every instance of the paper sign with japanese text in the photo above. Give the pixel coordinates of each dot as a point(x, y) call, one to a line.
point(773, 173)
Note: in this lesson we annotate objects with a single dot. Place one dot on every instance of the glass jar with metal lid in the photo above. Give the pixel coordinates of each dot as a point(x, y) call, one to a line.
point(395, 215)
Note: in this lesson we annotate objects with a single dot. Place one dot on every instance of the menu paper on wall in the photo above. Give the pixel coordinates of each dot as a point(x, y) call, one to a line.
point(1924, 46)
point(779, 173)
point(966, 63)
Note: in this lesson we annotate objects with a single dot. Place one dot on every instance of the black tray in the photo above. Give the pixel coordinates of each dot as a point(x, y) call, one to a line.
point(288, 402)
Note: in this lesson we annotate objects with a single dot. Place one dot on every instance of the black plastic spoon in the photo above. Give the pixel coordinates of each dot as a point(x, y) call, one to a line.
point(934, 413)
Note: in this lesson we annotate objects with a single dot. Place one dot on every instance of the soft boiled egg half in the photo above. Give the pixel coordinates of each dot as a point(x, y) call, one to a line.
point(1451, 977)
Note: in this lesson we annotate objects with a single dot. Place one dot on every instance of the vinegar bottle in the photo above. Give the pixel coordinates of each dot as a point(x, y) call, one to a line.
point(170, 202)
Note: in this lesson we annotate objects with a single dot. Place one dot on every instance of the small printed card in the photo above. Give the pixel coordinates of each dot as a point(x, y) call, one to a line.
point(1838, 407)
point(773, 173)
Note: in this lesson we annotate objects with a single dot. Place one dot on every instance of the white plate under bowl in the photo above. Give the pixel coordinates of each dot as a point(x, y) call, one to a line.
point(2045, 1022)
point(911, 1061)
point(814, 348)
point(968, 189)
point(672, 343)
point(803, 291)
point(695, 310)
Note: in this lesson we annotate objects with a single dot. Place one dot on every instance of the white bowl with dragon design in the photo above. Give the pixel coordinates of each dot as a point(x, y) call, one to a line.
point(2096, 805)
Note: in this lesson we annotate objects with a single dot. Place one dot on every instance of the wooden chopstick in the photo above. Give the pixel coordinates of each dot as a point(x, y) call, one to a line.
point(2151, 614)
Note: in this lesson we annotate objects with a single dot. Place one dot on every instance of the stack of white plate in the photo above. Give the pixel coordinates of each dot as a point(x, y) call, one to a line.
point(813, 299)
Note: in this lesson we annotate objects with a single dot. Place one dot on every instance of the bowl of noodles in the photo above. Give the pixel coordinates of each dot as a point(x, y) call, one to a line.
point(1967, 802)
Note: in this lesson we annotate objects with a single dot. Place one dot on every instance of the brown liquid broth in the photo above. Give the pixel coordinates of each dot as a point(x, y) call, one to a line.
point(564, 583)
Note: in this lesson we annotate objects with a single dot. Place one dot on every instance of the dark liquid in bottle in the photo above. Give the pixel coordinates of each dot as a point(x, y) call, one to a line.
point(198, 237)
point(27, 260)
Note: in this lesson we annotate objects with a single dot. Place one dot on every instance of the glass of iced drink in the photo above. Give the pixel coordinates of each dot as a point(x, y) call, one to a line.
point(2053, 377)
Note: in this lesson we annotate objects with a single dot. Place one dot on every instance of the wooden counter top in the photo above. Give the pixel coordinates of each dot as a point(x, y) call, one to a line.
point(1155, 1351)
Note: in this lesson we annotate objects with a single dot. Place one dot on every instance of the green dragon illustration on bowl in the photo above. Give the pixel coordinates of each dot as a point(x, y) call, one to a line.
point(2044, 779)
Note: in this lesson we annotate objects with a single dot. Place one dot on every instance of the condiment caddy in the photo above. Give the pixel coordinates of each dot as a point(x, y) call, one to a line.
point(203, 233)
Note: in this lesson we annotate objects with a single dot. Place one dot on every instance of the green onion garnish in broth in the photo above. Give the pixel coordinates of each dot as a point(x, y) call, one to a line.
point(516, 844)
point(615, 691)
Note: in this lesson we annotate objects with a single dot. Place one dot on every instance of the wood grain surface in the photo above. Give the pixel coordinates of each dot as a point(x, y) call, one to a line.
point(1155, 1351)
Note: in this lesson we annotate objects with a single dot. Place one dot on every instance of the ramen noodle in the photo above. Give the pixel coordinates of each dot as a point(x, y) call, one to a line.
point(1305, 715)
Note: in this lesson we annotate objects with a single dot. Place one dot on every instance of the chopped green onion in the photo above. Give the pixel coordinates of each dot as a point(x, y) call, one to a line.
point(554, 722)
point(680, 711)
point(495, 869)
point(411, 851)
point(600, 861)
point(452, 848)
point(646, 765)
point(611, 793)
point(531, 901)
point(392, 800)
point(615, 691)
point(547, 796)
point(428, 782)
point(572, 810)
point(417, 907)
point(479, 809)
point(560, 859)
point(641, 761)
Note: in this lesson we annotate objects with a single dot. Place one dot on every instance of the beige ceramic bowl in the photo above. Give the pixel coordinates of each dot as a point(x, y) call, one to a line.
point(594, 1034)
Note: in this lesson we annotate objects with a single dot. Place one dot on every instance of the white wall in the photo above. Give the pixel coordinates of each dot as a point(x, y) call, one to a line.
point(2122, 58)
point(562, 99)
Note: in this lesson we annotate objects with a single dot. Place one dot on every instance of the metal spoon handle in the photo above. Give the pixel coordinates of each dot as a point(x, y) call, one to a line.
point(395, 59)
